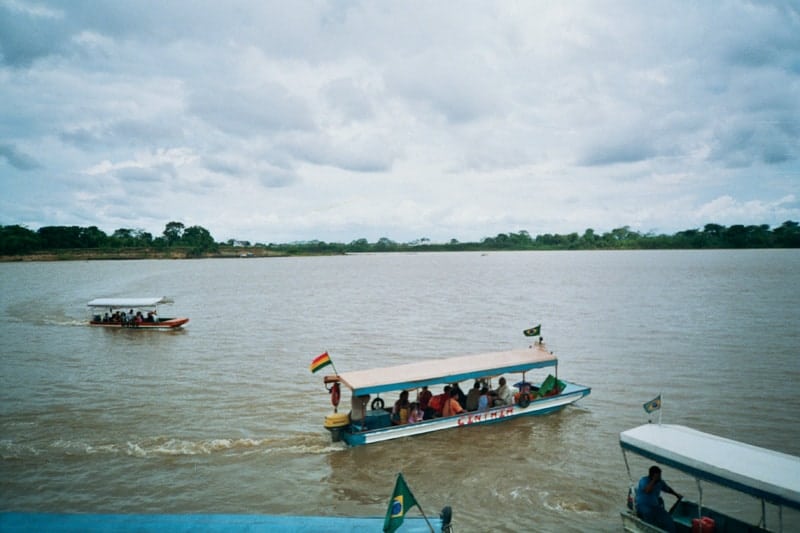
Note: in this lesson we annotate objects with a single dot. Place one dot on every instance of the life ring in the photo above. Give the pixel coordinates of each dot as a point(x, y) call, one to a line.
point(336, 394)
point(377, 404)
point(524, 400)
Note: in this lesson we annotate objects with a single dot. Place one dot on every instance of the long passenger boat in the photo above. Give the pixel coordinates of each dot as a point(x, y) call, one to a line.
point(772, 477)
point(370, 420)
point(141, 313)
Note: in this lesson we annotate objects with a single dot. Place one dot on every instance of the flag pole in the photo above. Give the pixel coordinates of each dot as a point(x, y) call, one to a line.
point(332, 365)
point(661, 395)
point(426, 518)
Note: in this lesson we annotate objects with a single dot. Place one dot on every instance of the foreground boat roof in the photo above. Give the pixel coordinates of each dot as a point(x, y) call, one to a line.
point(129, 302)
point(449, 370)
point(764, 473)
point(209, 523)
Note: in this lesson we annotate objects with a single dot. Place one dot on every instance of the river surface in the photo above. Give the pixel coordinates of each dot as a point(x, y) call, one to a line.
point(225, 417)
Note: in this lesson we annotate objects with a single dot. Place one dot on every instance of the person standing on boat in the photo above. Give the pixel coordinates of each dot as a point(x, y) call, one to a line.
point(649, 503)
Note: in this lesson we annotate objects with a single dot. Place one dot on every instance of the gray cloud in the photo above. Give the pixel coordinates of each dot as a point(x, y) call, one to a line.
point(401, 119)
point(17, 159)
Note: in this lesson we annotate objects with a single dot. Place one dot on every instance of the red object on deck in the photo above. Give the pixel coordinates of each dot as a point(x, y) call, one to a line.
point(703, 525)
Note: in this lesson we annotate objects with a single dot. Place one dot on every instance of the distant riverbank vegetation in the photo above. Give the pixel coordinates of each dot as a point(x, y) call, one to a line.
point(177, 241)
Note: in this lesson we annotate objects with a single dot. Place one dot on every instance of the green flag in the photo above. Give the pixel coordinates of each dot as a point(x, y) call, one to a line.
point(534, 331)
point(402, 501)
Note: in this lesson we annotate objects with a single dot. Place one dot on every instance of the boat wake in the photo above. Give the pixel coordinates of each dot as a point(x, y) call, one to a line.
point(170, 446)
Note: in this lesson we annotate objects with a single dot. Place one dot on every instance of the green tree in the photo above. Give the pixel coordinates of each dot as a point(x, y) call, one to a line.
point(173, 232)
point(17, 239)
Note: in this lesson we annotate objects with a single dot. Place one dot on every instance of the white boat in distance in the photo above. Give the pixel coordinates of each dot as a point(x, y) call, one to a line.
point(771, 476)
point(375, 424)
point(139, 313)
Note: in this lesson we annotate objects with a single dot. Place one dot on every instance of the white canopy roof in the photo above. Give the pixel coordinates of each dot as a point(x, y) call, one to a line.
point(449, 370)
point(761, 472)
point(129, 302)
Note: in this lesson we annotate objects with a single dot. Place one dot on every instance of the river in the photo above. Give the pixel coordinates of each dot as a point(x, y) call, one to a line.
point(225, 417)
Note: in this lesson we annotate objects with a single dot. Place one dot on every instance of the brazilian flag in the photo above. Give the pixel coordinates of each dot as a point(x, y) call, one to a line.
point(402, 501)
point(533, 332)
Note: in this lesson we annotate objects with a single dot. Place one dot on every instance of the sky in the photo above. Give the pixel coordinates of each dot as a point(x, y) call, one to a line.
point(276, 122)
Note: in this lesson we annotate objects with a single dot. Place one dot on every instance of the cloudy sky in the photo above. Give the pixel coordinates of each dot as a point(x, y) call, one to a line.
point(338, 120)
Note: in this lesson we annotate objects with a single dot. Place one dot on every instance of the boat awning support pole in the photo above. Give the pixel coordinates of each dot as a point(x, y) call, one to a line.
point(763, 514)
point(700, 501)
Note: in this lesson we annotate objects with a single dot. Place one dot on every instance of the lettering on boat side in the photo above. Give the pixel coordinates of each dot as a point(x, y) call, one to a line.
point(484, 417)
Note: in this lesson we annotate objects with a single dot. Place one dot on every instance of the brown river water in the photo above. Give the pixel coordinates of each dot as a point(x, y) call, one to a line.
point(225, 417)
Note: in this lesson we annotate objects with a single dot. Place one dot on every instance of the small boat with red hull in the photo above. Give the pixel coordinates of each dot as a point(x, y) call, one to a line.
point(137, 313)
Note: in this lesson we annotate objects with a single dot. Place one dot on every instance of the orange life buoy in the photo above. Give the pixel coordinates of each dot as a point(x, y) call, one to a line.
point(335, 394)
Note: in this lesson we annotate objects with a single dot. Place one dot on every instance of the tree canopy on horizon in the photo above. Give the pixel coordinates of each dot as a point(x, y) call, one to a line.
point(197, 241)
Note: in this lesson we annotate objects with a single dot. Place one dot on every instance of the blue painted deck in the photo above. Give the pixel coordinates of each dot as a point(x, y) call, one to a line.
point(180, 523)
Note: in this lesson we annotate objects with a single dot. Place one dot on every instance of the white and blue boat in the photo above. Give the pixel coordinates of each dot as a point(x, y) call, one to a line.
point(771, 476)
point(20, 522)
point(369, 420)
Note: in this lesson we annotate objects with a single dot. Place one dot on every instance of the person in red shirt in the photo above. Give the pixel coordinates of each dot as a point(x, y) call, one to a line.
point(436, 405)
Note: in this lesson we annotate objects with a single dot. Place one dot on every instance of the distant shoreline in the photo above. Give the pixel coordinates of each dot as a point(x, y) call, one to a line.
point(257, 252)
point(132, 254)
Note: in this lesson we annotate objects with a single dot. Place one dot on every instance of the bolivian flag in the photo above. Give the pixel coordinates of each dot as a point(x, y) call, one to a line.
point(320, 361)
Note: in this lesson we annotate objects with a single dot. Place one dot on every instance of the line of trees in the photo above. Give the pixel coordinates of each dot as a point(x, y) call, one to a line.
point(196, 241)
point(15, 240)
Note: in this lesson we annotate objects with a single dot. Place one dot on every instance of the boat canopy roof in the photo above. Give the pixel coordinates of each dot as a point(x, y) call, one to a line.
point(449, 370)
point(129, 302)
point(760, 472)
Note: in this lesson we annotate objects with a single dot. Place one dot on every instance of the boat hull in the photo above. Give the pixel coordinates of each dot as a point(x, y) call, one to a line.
point(571, 394)
point(168, 323)
point(684, 514)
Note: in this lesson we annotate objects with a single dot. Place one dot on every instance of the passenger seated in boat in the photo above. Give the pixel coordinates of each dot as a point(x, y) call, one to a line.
point(415, 414)
point(502, 396)
point(150, 317)
point(400, 409)
point(649, 504)
point(460, 396)
point(424, 397)
point(485, 399)
point(451, 406)
point(473, 396)
point(436, 404)
point(106, 318)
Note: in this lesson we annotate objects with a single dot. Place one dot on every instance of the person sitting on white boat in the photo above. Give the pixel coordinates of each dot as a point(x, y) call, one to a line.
point(649, 504)
point(473, 396)
point(502, 396)
point(400, 409)
point(451, 405)
point(415, 414)
point(150, 317)
point(436, 405)
point(484, 400)
point(460, 396)
point(424, 397)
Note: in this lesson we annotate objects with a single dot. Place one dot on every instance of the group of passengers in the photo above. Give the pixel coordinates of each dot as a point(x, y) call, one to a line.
point(452, 401)
point(128, 319)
